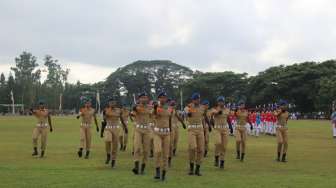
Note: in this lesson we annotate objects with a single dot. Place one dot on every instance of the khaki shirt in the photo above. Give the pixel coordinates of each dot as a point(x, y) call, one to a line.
point(197, 114)
point(162, 116)
point(41, 116)
point(282, 117)
point(112, 115)
point(220, 119)
point(87, 115)
point(242, 117)
point(143, 115)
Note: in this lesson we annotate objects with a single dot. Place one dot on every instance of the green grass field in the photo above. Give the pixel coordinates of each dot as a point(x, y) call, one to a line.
point(311, 155)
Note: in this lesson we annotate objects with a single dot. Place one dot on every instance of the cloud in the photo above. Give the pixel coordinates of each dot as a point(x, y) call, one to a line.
point(217, 35)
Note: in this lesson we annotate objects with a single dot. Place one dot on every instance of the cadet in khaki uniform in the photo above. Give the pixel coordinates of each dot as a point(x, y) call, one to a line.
point(113, 116)
point(281, 130)
point(43, 123)
point(161, 134)
point(123, 136)
point(142, 116)
point(241, 132)
point(195, 115)
point(220, 115)
point(87, 113)
point(206, 128)
point(174, 134)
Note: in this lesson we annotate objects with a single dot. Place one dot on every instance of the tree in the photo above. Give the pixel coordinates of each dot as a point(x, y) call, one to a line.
point(54, 85)
point(27, 77)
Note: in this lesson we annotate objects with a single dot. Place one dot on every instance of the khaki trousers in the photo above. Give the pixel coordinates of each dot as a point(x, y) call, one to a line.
point(241, 135)
point(43, 131)
point(141, 144)
point(174, 137)
point(85, 137)
point(221, 141)
point(161, 150)
point(196, 145)
point(111, 137)
point(282, 138)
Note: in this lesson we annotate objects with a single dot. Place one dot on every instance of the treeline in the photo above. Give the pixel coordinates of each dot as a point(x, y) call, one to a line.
point(308, 86)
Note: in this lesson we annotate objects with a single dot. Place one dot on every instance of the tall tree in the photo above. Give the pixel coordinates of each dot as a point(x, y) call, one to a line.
point(54, 85)
point(27, 77)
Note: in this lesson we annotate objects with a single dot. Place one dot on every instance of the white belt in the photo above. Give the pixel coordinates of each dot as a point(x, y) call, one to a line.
point(142, 126)
point(281, 126)
point(195, 126)
point(221, 126)
point(85, 124)
point(162, 130)
point(42, 125)
point(112, 127)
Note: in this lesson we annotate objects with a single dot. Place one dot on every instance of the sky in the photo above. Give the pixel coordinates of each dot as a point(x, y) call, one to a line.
point(94, 38)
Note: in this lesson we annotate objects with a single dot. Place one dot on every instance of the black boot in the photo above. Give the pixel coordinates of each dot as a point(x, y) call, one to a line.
point(169, 161)
point(157, 173)
point(135, 170)
point(87, 154)
point(121, 147)
point(151, 154)
point(42, 154)
point(143, 166)
point(216, 161)
point(80, 152)
point(242, 157)
point(35, 152)
point(205, 153)
point(221, 164)
point(112, 163)
point(163, 177)
point(278, 159)
point(174, 152)
point(124, 149)
point(191, 169)
point(197, 171)
point(238, 155)
point(284, 158)
point(108, 158)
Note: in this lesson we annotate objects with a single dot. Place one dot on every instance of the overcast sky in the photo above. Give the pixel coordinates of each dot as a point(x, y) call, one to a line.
point(93, 38)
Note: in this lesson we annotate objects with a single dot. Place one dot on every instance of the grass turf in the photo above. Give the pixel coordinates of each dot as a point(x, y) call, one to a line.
point(311, 155)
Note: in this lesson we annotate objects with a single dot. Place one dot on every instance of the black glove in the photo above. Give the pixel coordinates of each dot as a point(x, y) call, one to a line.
point(189, 114)
point(220, 112)
point(184, 126)
point(126, 131)
point(97, 128)
point(103, 125)
point(51, 129)
point(210, 129)
point(78, 116)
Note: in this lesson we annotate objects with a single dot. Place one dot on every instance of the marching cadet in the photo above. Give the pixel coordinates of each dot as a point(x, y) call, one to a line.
point(195, 115)
point(206, 128)
point(281, 130)
point(241, 132)
point(162, 128)
point(123, 136)
point(43, 123)
point(220, 115)
point(87, 113)
point(174, 134)
point(112, 116)
point(142, 116)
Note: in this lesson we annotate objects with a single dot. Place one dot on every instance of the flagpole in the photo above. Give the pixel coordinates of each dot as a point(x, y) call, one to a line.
point(60, 102)
point(13, 104)
point(181, 96)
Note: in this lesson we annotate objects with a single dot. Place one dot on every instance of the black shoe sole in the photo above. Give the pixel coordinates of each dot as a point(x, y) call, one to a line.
point(136, 172)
